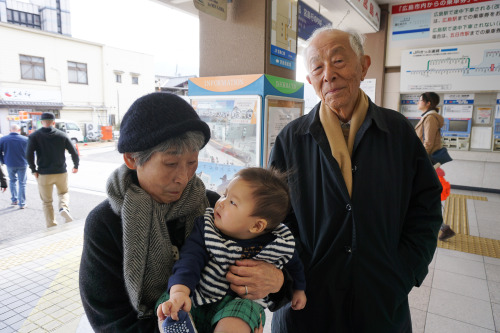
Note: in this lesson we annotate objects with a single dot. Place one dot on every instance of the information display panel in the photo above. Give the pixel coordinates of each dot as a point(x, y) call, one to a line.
point(279, 111)
point(235, 136)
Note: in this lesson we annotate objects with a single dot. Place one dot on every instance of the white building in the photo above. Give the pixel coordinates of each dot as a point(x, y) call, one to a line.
point(77, 80)
point(47, 15)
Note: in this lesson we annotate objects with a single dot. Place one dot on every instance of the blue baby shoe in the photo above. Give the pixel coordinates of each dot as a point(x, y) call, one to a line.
point(183, 325)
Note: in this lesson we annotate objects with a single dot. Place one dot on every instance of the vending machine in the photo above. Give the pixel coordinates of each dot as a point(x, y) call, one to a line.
point(245, 114)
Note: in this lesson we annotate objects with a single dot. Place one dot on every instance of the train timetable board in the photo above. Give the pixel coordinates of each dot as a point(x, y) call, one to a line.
point(473, 67)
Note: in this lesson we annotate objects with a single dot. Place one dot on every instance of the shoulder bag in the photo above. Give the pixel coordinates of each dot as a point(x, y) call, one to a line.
point(439, 156)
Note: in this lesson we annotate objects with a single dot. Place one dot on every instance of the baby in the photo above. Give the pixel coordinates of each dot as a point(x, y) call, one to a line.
point(245, 224)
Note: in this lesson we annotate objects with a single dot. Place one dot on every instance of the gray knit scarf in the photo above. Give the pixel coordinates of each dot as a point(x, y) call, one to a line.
point(147, 249)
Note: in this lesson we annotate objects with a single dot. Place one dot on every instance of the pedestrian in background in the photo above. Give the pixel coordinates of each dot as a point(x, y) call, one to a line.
point(50, 145)
point(3, 181)
point(429, 132)
point(13, 154)
point(365, 198)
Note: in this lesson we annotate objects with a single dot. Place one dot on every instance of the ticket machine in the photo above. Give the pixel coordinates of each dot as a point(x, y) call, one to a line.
point(496, 135)
point(456, 133)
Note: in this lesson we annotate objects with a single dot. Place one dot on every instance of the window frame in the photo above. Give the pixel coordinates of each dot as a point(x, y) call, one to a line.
point(26, 19)
point(78, 69)
point(23, 63)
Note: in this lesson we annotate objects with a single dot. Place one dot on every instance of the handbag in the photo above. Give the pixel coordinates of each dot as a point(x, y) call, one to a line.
point(441, 156)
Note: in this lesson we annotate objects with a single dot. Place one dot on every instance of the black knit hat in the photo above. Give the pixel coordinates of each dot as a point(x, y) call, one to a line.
point(47, 116)
point(155, 118)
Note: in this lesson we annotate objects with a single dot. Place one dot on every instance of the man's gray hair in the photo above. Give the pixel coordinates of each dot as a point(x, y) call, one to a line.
point(356, 40)
point(15, 128)
point(191, 141)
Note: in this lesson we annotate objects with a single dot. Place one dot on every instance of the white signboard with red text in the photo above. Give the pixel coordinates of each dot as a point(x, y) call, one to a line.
point(441, 22)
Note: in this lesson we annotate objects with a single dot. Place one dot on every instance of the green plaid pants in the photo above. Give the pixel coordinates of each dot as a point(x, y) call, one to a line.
point(207, 316)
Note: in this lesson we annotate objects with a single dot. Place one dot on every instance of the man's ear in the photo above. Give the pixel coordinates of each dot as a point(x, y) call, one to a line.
point(366, 61)
point(259, 226)
point(129, 161)
point(308, 79)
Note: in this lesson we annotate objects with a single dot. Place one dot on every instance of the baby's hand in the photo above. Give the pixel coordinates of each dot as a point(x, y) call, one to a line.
point(299, 300)
point(179, 300)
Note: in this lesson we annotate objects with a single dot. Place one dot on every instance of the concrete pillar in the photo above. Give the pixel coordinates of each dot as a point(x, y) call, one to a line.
point(375, 47)
point(241, 44)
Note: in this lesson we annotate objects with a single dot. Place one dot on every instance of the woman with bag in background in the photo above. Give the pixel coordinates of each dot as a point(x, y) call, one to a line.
point(428, 130)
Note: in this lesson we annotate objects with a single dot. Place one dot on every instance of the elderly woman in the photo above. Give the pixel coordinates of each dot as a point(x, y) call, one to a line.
point(131, 240)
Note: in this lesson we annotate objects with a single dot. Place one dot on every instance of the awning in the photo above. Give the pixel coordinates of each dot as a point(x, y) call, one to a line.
point(38, 105)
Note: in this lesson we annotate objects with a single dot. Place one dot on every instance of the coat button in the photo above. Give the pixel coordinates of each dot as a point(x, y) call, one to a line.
point(348, 207)
point(347, 249)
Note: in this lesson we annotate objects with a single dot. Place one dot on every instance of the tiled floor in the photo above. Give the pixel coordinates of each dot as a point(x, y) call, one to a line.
point(39, 282)
point(462, 291)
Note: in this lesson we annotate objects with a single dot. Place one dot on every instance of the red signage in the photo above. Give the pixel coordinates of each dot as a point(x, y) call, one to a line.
point(432, 4)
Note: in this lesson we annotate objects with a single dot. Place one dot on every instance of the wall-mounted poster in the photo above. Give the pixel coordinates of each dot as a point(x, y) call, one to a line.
point(483, 115)
point(481, 137)
point(235, 137)
point(279, 112)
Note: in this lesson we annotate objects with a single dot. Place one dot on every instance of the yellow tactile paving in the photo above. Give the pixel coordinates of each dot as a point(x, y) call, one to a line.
point(455, 215)
point(473, 244)
point(47, 270)
point(40, 252)
point(61, 302)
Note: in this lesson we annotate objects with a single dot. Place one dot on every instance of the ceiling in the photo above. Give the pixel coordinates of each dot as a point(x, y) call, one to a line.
point(188, 7)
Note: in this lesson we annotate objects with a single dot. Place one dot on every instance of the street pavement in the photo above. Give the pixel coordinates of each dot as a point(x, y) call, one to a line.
point(87, 189)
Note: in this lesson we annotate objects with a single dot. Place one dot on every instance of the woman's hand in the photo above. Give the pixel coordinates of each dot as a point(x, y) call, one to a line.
point(254, 279)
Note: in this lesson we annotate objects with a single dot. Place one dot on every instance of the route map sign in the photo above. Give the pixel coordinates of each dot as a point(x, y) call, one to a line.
point(472, 67)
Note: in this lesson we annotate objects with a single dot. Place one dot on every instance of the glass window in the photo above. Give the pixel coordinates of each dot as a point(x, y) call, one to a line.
point(135, 80)
point(77, 72)
point(23, 18)
point(72, 126)
point(32, 68)
point(118, 78)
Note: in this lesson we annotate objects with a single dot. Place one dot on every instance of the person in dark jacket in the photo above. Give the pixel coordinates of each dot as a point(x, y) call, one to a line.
point(50, 145)
point(132, 239)
point(13, 154)
point(365, 197)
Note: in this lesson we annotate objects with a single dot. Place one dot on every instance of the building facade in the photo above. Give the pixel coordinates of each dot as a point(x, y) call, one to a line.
point(86, 82)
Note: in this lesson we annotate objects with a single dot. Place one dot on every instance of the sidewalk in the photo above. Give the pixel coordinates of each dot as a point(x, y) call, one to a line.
point(39, 281)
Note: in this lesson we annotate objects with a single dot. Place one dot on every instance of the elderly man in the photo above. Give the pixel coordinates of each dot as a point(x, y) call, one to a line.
point(365, 196)
point(13, 154)
point(50, 145)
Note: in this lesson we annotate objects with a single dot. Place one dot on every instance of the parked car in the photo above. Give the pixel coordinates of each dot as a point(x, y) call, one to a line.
point(71, 128)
